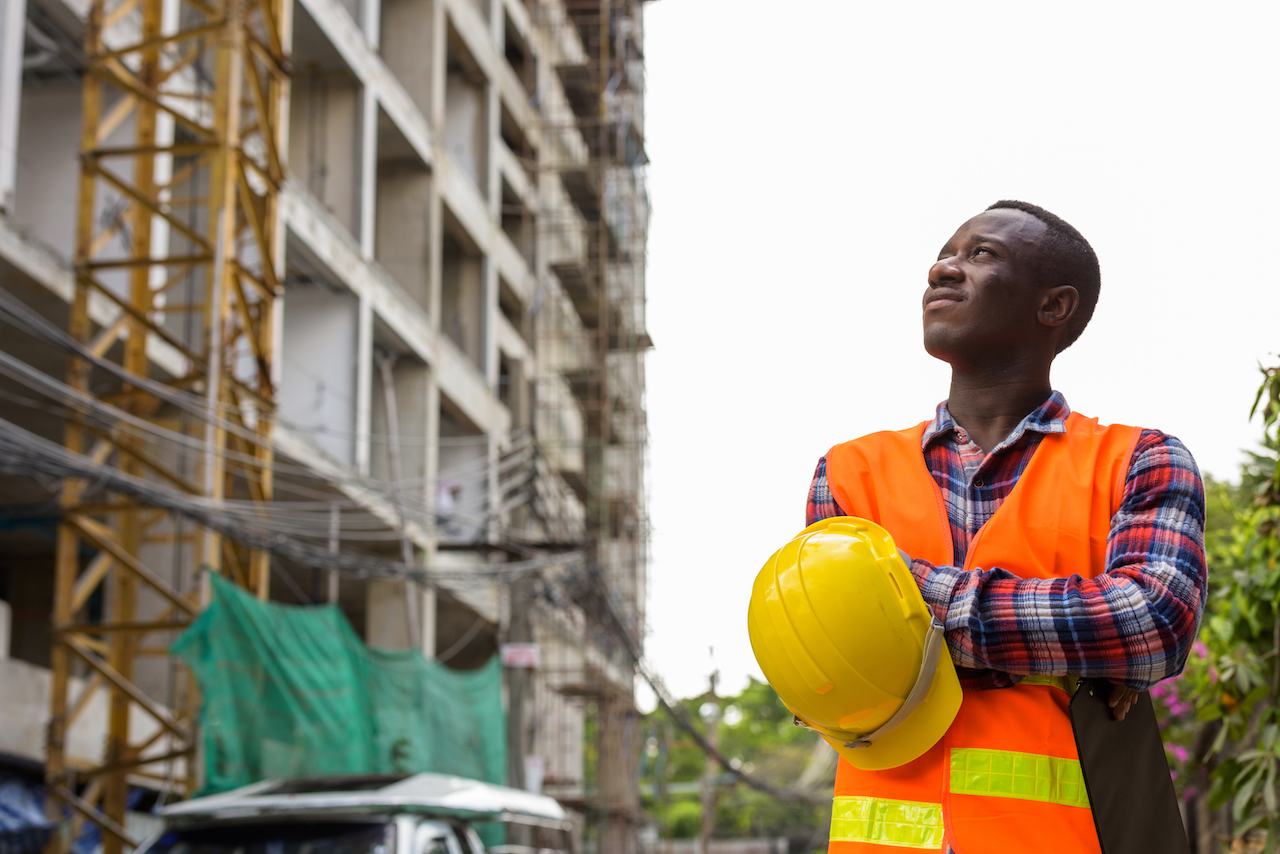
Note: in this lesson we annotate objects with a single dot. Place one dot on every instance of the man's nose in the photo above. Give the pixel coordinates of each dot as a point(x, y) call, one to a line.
point(945, 271)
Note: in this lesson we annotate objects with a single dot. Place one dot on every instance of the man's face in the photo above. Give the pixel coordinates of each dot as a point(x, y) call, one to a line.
point(983, 295)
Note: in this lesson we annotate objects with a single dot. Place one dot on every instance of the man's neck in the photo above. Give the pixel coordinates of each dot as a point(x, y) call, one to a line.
point(989, 409)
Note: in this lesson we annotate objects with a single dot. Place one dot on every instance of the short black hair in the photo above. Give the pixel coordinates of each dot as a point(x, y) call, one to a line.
point(1066, 258)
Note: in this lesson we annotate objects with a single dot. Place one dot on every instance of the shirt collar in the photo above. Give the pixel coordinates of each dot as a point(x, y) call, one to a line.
point(1048, 417)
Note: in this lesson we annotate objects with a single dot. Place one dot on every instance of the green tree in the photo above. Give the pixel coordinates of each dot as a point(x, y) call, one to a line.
point(757, 738)
point(1221, 717)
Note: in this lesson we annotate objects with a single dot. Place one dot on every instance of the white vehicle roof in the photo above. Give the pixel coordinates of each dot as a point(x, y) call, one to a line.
point(429, 794)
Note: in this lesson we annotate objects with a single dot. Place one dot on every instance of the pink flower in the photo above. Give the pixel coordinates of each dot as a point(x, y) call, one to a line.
point(1200, 649)
point(1179, 752)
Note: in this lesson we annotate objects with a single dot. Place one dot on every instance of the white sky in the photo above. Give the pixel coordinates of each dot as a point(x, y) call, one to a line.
point(808, 161)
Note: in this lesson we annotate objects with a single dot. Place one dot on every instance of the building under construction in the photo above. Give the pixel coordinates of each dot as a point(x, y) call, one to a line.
point(342, 301)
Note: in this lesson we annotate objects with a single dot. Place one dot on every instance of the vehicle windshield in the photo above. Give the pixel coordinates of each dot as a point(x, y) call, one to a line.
point(279, 838)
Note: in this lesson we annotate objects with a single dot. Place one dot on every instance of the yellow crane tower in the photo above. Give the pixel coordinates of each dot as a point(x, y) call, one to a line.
point(184, 107)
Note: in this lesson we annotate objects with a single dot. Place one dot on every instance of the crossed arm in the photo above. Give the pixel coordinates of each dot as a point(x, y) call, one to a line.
point(1133, 624)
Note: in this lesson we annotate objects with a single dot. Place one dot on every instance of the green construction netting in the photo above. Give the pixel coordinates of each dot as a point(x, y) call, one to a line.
point(291, 691)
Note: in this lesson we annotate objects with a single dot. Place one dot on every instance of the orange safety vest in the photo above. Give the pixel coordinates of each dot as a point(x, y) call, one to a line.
point(1006, 776)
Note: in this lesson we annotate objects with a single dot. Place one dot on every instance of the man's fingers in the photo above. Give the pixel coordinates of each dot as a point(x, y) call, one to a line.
point(1121, 700)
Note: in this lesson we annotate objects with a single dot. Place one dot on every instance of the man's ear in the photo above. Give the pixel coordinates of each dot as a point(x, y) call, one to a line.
point(1059, 305)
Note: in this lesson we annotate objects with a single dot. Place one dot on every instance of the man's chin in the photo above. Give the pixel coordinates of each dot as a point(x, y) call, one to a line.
point(941, 345)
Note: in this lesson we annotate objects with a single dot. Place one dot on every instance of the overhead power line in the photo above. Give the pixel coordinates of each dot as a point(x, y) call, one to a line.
point(25, 453)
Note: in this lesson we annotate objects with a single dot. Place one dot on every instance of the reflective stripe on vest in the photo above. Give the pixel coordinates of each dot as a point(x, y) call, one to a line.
point(900, 824)
point(1066, 683)
point(1026, 776)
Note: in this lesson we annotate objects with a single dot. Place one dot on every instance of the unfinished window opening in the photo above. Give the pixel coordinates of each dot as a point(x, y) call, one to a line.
point(462, 484)
point(464, 639)
point(462, 304)
point(407, 46)
point(511, 388)
point(515, 139)
point(519, 56)
point(398, 421)
point(465, 126)
point(517, 223)
point(402, 236)
point(317, 393)
point(324, 122)
point(512, 308)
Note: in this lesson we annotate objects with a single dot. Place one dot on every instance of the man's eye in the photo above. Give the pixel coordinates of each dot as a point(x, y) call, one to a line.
point(981, 249)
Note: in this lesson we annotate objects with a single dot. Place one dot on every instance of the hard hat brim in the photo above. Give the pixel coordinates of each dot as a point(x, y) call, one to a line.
point(913, 737)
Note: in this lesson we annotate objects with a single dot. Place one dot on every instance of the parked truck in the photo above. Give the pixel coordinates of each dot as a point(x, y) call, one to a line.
point(398, 814)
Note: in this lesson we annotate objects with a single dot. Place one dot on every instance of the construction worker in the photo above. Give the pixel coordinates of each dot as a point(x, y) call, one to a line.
point(1046, 545)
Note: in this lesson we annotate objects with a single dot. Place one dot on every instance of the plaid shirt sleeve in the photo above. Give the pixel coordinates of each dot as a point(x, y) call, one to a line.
point(821, 504)
point(1134, 624)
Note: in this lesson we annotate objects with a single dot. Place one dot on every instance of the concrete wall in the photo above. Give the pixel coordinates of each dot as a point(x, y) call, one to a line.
point(408, 46)
point(464, 132)
point(24, 708)
point(409, 381)
point(403, 234)
point(48, 165)
point(463, 309)
point(318, 379)
point(324, 119)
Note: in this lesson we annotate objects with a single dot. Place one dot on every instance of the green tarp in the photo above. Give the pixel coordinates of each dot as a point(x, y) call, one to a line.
point(292, 691)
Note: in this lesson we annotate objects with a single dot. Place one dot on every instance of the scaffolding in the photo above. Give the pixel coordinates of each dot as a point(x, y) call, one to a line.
point(590, 410)
point(178, 228)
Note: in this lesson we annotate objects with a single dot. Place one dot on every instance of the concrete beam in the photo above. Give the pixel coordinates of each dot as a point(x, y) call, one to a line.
point(459, 192)
point(512, 267)
point(512, 170)
point(510, 343)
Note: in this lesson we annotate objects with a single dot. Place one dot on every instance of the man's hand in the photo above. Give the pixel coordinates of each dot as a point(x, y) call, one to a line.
point(1121, 699)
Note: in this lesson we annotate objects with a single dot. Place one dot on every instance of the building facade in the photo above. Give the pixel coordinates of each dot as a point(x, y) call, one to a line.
point(424, 395)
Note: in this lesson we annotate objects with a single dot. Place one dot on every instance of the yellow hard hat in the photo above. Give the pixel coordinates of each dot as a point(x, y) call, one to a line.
point(845, 638)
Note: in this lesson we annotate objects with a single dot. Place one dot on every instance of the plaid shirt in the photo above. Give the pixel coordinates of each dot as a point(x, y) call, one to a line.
point(1135, 624)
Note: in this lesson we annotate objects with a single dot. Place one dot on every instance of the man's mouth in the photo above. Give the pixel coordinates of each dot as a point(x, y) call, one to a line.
point(940, 301)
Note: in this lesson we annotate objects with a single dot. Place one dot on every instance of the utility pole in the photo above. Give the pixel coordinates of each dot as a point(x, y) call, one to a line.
point(709, 776)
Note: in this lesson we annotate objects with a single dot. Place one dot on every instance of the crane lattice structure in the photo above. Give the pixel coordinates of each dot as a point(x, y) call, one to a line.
point(182, 157)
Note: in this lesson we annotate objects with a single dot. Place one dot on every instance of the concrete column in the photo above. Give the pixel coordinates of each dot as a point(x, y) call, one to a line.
point(6, 629)
point(427, 616)
point(493, 189)
point(385, 614)
point(431, 472)
point(364, 385)
point(368, 177)
point(371, 21)
point(435, 255)
point(13, 16)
